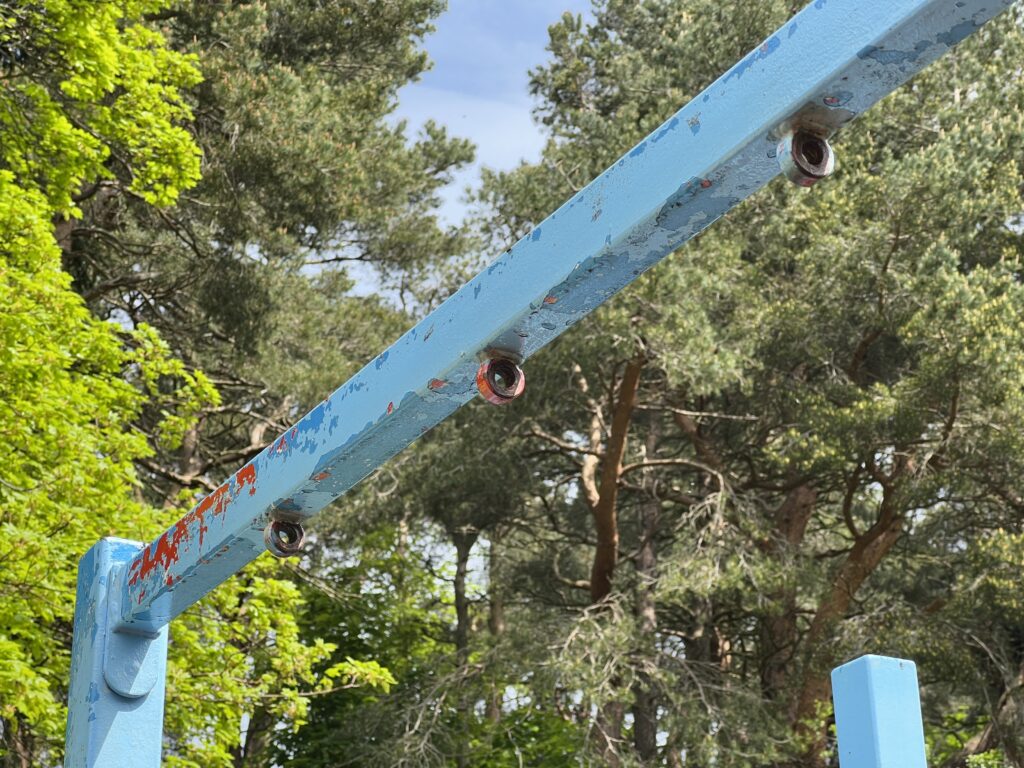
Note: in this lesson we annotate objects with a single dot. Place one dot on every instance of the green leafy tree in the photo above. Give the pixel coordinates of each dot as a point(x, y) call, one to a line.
point(248, 278)
point(83, 87)
point(819, 384)
point(786, 446)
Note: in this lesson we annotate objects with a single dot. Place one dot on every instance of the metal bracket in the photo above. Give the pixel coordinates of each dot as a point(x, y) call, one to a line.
point(116, 700)
point(133, 661)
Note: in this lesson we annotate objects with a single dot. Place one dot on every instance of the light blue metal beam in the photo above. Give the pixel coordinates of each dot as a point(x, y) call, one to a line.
point(828, 64)
point(878, 714)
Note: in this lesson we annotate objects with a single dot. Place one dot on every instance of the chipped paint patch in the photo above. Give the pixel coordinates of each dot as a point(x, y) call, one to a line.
point(165, 551)
point(770, 46)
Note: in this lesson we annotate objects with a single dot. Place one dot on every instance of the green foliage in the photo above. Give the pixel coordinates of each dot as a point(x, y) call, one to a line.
point(86, 86)
point(991, 759)
point(240, 653)
point(104, 119)
point(83, 85)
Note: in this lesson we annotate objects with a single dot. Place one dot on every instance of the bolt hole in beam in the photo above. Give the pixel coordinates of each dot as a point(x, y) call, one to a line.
point(825, 66)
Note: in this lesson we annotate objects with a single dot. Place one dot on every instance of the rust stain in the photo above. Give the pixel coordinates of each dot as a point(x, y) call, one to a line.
point(165, 552)
point(436, 384)
point(246, 476)
point(550, 299)
point(321, 476)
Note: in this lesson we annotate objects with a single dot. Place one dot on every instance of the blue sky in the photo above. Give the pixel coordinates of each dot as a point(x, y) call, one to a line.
point(478, 88)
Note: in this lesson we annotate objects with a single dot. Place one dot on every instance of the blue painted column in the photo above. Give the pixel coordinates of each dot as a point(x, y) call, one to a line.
point(116, 700)
point(878, 714)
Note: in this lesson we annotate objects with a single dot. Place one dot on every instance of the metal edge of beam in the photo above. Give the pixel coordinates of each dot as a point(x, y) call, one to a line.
point(826, 65)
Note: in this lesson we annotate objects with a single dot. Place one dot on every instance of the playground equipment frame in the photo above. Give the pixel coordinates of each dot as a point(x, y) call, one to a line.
point(828, 63)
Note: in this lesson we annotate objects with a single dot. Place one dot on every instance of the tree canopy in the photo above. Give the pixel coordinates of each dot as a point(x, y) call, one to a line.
point(795, 441)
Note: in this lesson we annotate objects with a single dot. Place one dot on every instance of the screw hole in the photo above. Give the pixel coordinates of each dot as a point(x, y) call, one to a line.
point(283, 538)
point(813, 152)
point(503, 376)
point(500, 380)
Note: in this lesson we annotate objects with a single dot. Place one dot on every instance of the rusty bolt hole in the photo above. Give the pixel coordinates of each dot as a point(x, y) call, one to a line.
point(503, 376)
point(500, 380)
point(811, 152)
point(284, 539)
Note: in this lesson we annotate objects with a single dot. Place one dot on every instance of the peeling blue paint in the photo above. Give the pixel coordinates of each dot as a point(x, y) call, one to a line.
point(770, 46)
point(891, 57)
point(667, 129)
point(958, 33)
point(837, 99)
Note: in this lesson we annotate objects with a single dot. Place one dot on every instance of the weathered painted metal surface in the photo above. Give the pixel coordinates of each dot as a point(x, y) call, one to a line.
point(107, 729)
point(878, 714)
point(828, 64)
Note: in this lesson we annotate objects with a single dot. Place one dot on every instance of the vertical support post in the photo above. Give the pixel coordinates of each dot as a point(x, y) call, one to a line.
point(878, 714)
point(116, 700)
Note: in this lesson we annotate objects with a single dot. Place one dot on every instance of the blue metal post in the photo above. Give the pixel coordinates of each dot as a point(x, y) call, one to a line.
point(116, 702)
point(828, 64)
point(878, 714)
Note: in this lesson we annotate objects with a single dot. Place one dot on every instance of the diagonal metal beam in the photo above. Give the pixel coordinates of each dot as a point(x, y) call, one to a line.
point(829, 63)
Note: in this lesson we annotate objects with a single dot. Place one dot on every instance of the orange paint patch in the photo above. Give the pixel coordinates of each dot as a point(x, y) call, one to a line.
point(165, 552)
point(321, 476)
point(550, 299)
point(437, 384)
point(246, 476)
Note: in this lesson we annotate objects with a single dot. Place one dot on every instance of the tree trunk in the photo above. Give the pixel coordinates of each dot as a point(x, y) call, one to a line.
point(779, 631)
point(606, 524)
point(495, 622)
point(19, 742)
point(463, 540)
point(1005, 730)
point(645, 706)
point(867, 552)
point(603, 498)
point(252, 752)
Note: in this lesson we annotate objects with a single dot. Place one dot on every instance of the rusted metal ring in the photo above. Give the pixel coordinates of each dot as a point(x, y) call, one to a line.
point(500, 380)
point(806, 158)
point(283, 538)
